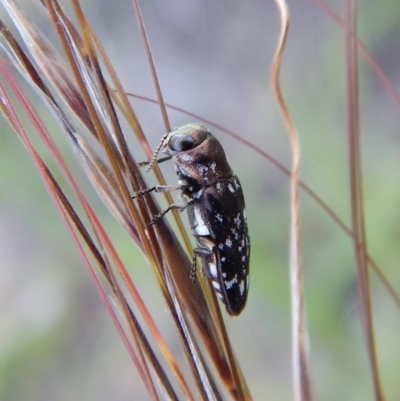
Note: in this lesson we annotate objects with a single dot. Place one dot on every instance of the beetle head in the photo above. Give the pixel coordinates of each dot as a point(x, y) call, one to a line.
point(197, 154)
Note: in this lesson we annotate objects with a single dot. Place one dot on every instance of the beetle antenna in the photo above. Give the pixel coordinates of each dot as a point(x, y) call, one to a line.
point(154, 157)
point(163, 159)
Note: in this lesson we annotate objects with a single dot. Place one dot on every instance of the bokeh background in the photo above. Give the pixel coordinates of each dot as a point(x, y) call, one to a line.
point(213, 58)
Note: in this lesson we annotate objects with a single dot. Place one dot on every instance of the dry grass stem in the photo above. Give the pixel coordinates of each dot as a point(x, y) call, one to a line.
point(300, 353)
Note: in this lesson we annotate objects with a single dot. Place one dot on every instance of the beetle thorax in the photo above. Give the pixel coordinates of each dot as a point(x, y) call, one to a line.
point(205, 164)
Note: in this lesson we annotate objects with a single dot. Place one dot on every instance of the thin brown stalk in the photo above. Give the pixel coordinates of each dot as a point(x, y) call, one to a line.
point(152, 65)
point(357, 203)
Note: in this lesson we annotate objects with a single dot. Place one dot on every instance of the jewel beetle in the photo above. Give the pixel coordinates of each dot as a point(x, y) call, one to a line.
point(213, 198)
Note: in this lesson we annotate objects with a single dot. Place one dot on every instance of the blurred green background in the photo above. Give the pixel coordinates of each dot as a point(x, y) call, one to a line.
point(213, 58)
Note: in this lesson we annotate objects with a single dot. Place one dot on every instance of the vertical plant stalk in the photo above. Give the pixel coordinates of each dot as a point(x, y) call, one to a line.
point(300, 361)
point(150, 59)
point(236, 381)
point(356, 192)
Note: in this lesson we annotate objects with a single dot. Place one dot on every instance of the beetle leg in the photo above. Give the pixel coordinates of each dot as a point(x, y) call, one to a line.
point(193, 269)
point(164, 212)
point(157, 188)
point(203, 253)
point(198, 252)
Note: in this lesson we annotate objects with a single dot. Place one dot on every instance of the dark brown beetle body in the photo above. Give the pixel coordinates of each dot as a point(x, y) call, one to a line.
point(216, 209)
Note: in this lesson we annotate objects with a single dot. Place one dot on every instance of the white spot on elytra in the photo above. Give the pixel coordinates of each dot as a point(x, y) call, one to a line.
point(241, 287)
point(223, 260)
point(236, 183)
point(219, 218)
point(228, 242)
point(243, 258)
point(229, 284)
point(221, 246)
point(224, 275)
point(213, 166)
point(213, 269)
point(240, 248)
point(244, 215)
point(201, 229)
point(237, 220)
point(231, 188)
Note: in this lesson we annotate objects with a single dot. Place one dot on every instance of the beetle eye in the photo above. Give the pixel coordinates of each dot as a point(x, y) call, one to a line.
point(181, 142)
